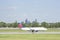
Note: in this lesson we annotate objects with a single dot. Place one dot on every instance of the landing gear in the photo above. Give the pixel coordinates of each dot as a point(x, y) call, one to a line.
point(36, 31)
point(32, 31)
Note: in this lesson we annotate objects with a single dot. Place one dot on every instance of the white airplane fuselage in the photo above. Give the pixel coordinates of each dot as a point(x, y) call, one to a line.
point(33, 28)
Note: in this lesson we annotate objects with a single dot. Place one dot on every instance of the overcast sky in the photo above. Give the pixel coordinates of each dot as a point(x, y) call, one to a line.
point(19, 10)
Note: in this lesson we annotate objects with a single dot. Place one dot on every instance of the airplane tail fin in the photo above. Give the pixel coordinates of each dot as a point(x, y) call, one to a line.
point(20, 25)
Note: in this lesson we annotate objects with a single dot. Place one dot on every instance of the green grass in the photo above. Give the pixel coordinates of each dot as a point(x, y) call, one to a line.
point(53, 30)
point(30, 37)
point(11, 30)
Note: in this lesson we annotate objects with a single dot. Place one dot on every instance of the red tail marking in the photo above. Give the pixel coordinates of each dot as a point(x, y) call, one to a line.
point(20, 25)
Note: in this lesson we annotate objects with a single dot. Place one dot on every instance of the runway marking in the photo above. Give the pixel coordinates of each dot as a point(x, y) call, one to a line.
point(29, 32)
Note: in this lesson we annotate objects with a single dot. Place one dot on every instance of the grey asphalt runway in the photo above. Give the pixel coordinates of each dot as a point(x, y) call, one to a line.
point(29, 33)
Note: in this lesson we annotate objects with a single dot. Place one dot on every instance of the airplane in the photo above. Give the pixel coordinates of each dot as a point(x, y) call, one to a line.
point(32, 29)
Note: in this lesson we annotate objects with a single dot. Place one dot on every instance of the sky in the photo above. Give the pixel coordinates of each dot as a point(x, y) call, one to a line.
point(19, 10)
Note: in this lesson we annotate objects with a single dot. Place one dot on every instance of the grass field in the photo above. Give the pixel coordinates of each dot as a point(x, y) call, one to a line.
point(30, 37)
point(53, 30)
point(11, 30)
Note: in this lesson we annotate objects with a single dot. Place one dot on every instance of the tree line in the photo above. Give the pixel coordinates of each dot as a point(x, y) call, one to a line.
point(31, 24)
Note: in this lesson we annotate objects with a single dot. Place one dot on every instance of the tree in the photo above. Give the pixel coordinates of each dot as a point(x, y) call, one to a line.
point(15, 24)
point(44, 24)
point(2, 24)
point(35, 24)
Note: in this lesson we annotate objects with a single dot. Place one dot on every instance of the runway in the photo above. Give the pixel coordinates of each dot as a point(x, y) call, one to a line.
point(29, 33)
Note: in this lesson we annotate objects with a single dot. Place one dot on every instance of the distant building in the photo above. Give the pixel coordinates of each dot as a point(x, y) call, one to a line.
point(27, 21)
point(35, 20)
